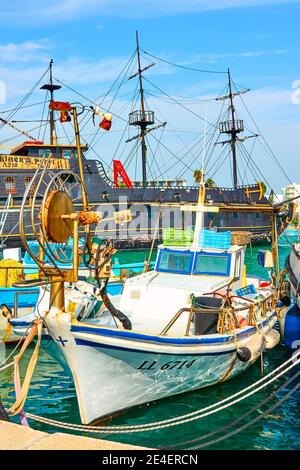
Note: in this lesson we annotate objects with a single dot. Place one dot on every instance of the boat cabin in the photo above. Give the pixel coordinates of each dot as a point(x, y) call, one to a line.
point(18, 167)
point(181, 272)
point(38, 149)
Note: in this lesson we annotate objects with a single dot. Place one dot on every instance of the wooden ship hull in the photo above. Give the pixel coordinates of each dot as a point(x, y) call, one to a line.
point(241, 209)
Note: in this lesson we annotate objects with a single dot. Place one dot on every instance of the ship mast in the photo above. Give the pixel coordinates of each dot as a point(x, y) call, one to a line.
point(232, 127)
point(142, 118)
point(143, 124)
point(51, 88)
point(233, 134)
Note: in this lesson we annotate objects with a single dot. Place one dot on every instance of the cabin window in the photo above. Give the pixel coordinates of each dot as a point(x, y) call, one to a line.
point(172, 261)
point(214, 264)
point(67, 153)
point(236, 215)
point(258, 215)
point(44, 153)
point(10, 185)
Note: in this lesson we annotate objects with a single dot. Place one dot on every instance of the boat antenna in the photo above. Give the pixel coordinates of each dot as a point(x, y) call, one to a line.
point(51, 87)
point(142, 118)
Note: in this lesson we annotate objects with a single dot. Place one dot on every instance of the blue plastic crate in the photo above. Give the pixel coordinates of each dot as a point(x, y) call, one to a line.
point(246, 290)
point(212, 239)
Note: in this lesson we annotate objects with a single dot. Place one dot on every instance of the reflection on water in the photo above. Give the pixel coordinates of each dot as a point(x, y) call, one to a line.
point(52, 395)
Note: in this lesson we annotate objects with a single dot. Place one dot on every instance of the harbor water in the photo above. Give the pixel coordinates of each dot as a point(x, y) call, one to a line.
point(52, 395)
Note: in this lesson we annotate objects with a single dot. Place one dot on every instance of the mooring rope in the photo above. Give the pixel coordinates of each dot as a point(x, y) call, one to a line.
point(253, 421)
point(22, 337)
point(10, 364)
point(241, 418)
point(199, 414)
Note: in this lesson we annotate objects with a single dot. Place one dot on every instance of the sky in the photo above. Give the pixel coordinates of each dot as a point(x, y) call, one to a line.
point(91, 41)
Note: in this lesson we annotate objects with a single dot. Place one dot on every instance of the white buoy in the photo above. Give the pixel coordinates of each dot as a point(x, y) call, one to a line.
point(272, 339)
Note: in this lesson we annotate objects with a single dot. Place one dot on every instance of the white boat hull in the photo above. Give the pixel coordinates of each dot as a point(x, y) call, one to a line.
point(293, 266)
point(116, 369)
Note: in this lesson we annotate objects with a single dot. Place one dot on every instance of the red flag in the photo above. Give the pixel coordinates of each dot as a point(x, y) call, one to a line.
point(60, 106)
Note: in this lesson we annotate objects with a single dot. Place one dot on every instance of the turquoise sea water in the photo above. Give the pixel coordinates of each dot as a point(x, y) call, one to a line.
point(52, 395)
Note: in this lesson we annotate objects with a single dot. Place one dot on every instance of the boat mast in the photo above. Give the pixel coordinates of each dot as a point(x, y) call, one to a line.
point(142, 118)
point(143, 124)
point(233, 134)
point(51, 88)
point(232, 127)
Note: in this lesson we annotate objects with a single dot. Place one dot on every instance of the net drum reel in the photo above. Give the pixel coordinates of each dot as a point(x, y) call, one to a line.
point(51, 196)
point(54, 223)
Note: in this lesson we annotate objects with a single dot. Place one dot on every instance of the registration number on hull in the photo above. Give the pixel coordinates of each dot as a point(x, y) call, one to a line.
point(154, 365)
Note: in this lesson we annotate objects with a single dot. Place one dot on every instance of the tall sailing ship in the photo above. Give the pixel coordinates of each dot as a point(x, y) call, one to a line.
point(241, 207)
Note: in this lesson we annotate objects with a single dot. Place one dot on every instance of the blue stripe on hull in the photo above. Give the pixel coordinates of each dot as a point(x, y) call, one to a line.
point(92, 344)
point(148, 338)
point(163, 340)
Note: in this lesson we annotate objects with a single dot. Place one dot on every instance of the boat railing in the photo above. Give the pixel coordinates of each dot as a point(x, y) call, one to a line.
point(256, 309)
point(103, 174)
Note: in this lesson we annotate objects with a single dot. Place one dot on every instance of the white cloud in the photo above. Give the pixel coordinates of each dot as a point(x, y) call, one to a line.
point(66, 10)
point(212, 58)
point(23, 52)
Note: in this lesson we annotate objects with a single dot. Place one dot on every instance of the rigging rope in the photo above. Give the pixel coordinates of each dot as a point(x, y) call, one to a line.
point(25, 98)
point(270, 151)
point(177, 102)
point(183, 66)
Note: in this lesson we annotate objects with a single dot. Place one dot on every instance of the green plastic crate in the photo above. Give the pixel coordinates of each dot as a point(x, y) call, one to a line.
point(177, 237)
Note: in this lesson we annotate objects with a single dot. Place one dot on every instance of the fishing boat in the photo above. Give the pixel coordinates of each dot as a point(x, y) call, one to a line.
point(193, 321)
point(289, 236)
point(293, 267)
point(120, 191)
point(183, 334)
point(290, 323)
point(13, 301)
point(19, 306)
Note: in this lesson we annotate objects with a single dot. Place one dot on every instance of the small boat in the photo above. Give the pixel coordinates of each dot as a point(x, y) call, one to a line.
point(13, 300)
point(289, 236)
point(292, 264)
point(22, 306)
point(291, 321)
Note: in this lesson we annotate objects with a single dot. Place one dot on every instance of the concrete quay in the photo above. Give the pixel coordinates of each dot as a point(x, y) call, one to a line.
point(16, 437)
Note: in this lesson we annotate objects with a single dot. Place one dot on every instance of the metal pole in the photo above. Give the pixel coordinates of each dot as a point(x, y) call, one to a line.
point(52, 126)
point(143, 125)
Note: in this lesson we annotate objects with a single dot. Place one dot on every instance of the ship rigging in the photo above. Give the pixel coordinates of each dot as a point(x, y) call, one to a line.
point(242, 206)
